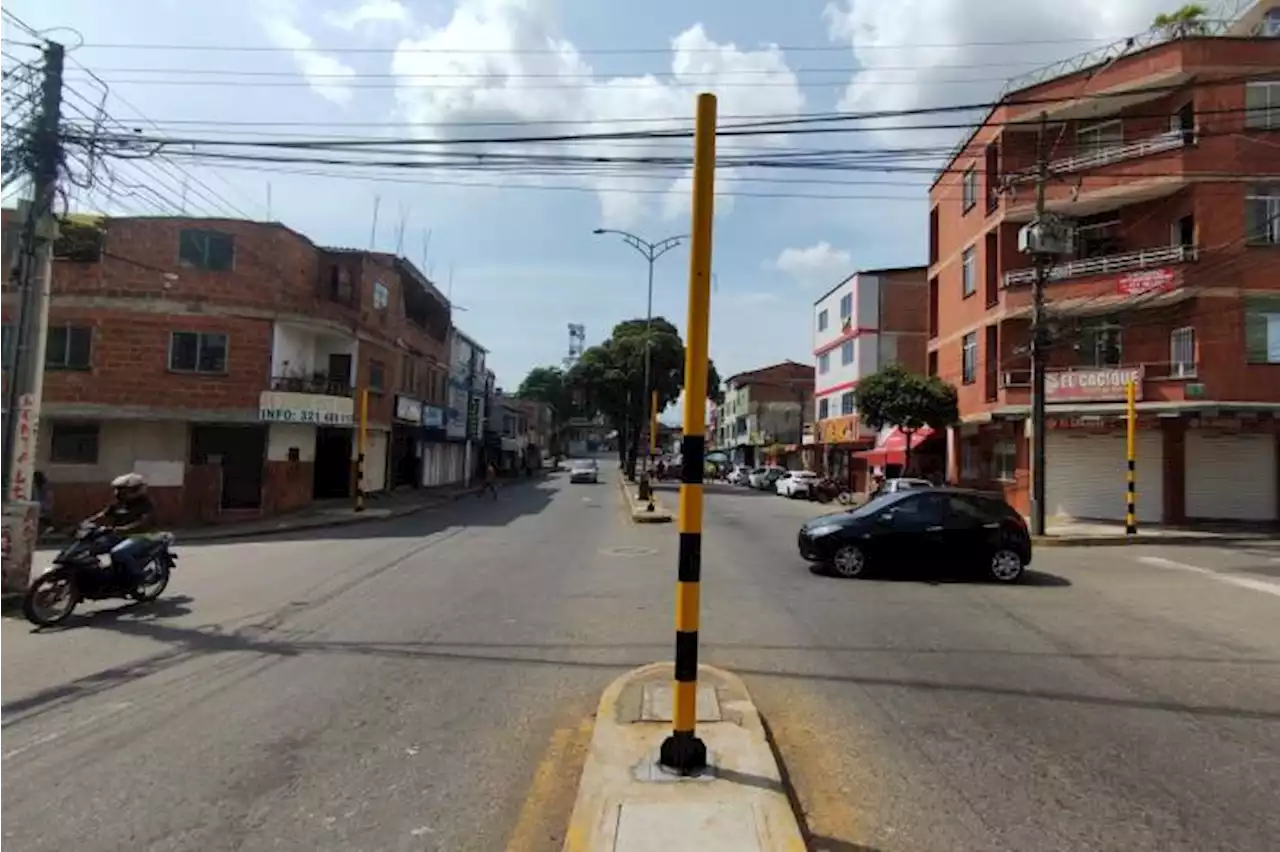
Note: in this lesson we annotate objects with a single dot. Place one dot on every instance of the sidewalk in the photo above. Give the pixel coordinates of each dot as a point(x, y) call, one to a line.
point(1062, 532)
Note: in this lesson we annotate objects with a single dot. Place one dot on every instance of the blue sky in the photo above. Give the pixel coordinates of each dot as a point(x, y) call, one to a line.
point(521, 255)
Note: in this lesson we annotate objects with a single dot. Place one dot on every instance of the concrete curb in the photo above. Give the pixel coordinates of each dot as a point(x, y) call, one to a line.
point(625, 801)
point(639, 509)
point(1121, 540)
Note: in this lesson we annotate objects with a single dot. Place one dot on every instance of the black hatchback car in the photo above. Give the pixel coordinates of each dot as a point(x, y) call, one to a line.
point(938, 526)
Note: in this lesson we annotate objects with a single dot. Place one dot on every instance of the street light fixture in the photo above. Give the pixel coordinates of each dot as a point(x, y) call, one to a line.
point(651, 252)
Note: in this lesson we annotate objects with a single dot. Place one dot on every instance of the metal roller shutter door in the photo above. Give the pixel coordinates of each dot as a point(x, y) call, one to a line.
point(1086, 476)
point(1230, 477)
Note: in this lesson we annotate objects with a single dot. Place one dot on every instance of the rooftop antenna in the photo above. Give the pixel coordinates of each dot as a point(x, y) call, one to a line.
point(404, 220)
point(426, 250)
point(373, 233)
point(268, 201)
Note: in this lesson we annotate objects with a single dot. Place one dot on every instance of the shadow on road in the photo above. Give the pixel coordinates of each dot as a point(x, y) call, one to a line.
point(940, 576)
point(515, 500)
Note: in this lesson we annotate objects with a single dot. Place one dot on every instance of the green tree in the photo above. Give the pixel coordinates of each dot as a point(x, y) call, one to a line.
point(547, 385)
point(609, 378)
point(1189, 20)
point(909, 401)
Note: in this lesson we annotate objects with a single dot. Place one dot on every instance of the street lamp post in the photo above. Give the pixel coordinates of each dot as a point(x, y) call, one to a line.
point(651, 253)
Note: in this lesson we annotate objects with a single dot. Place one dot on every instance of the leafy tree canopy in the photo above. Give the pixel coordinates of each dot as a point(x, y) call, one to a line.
point(909, 401)
point(547, 385)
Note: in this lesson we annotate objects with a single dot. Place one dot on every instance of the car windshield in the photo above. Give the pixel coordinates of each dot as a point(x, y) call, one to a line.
point(879, 504)
point(584, 465)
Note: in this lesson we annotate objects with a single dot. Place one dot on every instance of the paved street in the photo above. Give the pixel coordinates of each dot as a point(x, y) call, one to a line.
point(427, 683)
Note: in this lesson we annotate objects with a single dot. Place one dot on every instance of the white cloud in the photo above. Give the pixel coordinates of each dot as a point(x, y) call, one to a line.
point(325, 73)
point(368, 12)
point(909, 50)
point(518, 67)
point(818, 265)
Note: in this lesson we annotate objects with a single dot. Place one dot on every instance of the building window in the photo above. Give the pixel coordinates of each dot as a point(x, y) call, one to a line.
point(68, 347)
point(377, 376)
point(1182, 352)
point(846, 306)
point(212, 251)
point(969, 358)
point(822, 320)
point(1004, 461)
point(933, 363)
point(968, 272)
point(1100, 346)
point(1262, 330)
point(1096, 138)
point(73, 443)
point(197, 352)
point(846, 403)
point(846, 353)
point(969, 188)
point(1098, 235)
point(824, 409)
point(381, 296)
point(1262, 105)
point(1262, 215)
point(824, 363)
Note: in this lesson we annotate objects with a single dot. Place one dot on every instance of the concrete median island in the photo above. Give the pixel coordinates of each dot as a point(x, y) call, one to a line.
point(639, 509)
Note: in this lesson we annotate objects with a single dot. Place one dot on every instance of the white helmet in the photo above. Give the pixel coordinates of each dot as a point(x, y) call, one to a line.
point(129, 483)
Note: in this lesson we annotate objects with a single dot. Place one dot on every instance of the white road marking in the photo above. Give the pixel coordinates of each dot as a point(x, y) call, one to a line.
point(53, 735)
point(1234, 579)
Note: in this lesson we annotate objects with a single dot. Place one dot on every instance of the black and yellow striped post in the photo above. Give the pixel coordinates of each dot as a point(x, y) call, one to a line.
point(683, 752)
point(362, 437)
point(1131, 458)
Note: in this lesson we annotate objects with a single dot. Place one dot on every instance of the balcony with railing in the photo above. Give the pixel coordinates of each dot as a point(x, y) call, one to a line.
point(1131, 261)
point(319, 383)
point(1098, 157)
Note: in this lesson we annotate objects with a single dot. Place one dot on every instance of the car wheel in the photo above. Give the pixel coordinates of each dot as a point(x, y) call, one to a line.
point(849, 561)
point(1005, 566)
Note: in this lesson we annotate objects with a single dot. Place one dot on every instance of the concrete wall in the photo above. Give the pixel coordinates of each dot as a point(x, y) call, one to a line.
point(282, 436)
point(123, 445)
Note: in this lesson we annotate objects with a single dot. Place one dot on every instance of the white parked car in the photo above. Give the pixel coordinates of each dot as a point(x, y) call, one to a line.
point(797, 483)
point(760, 475)
point(738, 476)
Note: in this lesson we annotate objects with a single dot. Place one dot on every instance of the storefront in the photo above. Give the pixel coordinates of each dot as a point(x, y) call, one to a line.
point(1086, 473)
point(890, 457)
point(839, 441)
point(1232, 471)
point(406, 443)
point(442, 460)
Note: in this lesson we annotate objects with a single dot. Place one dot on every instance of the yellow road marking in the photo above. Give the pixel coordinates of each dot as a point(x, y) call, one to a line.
point(545, 813)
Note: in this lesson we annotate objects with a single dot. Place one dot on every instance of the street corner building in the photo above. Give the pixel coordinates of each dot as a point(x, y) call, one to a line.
point(762, 419)
point(870, 319)
point(1163, 188)
point(225, 360)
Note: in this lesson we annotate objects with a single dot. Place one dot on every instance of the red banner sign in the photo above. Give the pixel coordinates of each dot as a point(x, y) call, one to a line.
point(1145, 281)
point(1090, 384)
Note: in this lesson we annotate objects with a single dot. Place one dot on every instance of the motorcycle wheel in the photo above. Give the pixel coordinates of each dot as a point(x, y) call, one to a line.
point(40, 610)
point(845, 498)
point(147, 592)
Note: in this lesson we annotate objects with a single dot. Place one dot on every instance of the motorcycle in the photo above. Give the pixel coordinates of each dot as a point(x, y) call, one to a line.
point(827, 489)
point(83, 570)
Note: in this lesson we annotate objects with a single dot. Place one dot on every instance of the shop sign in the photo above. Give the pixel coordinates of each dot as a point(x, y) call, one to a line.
point(408, 410)
point(1144, 282)
point(432, 417)
point(310, 408)
point(1091, 384)
point(838, 430)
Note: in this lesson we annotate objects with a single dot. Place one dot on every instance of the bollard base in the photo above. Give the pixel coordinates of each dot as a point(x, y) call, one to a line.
point(683, 753)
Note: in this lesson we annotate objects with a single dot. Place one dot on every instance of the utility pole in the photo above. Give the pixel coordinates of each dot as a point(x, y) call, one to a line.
point(1038, 244)
point(34, 275)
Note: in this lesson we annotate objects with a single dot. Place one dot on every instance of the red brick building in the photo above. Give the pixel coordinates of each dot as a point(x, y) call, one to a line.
point(223, 360)
point(1163, 160)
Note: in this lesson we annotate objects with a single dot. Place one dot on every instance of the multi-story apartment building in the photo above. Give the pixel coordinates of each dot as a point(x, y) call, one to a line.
point(764, 408)
point(222, 359)
point(1161, 157)
point(870, 319)
point(465, 411)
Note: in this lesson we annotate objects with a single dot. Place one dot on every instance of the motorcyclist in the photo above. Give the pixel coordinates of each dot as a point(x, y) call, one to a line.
point(131, 519)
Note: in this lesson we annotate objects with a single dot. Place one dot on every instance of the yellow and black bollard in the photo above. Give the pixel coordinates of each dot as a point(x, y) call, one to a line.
point(683, 752)
point(1131, 458)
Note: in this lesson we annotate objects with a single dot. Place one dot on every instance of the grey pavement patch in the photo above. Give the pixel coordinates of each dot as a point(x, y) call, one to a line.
point(674, 825)
point(657, 703)
point(629, 551)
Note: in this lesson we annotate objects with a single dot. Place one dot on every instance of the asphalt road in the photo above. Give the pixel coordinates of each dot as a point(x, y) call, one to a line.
point(427, 683)
point(1121, 698)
